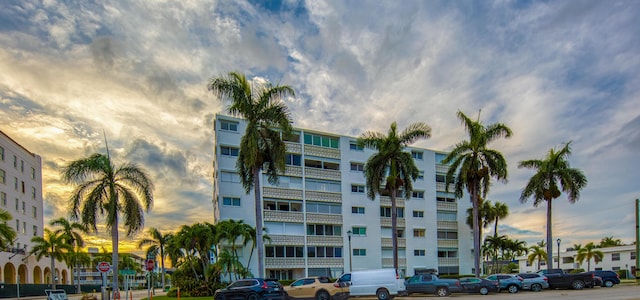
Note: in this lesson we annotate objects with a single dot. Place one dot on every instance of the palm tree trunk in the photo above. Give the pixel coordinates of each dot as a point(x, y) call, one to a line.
point(162, 263)
point(394, 230)
point(78, 278)
point(53, 271)
point(114, 259)
point(549, 237)
point(258, 203)
point(476, 229)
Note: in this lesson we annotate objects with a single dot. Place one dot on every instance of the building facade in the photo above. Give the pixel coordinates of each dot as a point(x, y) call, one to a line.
point(21, 196)
point(320, 221)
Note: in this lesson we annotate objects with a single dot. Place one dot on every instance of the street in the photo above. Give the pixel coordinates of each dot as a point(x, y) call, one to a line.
point(618, 292)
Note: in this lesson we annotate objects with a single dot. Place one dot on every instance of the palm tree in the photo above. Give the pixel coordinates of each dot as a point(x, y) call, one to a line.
point(484, 214)
point(229, 231)
point(77, 257)
point(494, 243)
point(609, 241)
point(392, 167)
point(261, 146)
point(543, 186)
point(499, 211)
point(54, 246)
point(104, 189)
point(536, 252)
point(72, 235)
point(475, 165)
point(7, 233)
point(157, 243)
point(577, 247)
point(589, 252)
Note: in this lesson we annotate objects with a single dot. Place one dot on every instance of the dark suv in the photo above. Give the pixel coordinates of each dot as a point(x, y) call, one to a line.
point(609, 278)
point(251, 289)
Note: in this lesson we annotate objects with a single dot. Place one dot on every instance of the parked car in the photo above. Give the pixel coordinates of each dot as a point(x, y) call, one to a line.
point(382, 283)
point(609, 278)
point(431, 284)
point(559, 279)
point(318, 288)
point(478, 285)
point(534, 281)
point(251, 289)
point(509, 282)
point(597, 281)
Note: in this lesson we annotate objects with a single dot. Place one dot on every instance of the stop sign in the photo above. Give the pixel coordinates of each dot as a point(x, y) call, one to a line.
point(104, 267)
point(150, 264)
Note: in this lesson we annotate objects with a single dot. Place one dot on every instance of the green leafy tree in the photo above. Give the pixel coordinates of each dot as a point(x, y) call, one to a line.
point(77, 257)
point(261, 146)
point(52, 245)
point(484, 213)
point(472, 165)
point(157, 242)
point(553, 176)
point(392, 167)
point(72, 233)
point(7, 233)
point(589, 252)
point(609, 241)
point(537, 252)
point(577, 247)
point(498, 211)
point(495, 243)
point(102, 189)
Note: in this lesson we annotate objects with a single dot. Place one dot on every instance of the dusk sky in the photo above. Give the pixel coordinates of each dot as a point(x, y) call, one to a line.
point(137, 71)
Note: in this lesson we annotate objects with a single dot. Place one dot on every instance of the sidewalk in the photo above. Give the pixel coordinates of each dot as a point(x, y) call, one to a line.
point(135, 295)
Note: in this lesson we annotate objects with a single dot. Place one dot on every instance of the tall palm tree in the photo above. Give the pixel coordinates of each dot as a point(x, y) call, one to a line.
point(157, 242)
point(52, 245)
point(392, 167)
point(551, 172)
point(78, 258)
point(229, 231)
point(261, 146)
point(72, 233)
point(494, 243)
point(104, 189)
point(475, 165)
point(536, 252)
point(499, 211)
point(610, 241)
point(589, 252)
point(484, 214)
point(7, 233)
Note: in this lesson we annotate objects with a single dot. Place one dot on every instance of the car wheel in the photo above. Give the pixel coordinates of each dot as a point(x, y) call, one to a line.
point(322, 295)
point(608, 283)
point(577, 284)
point(382, 294)
point(536, 287)
point(484, 291)
point(512, 289)
point(219, 297)
point(252, 296)
point(442, 292)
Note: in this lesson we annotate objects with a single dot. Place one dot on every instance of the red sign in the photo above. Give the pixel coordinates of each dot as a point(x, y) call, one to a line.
point(104, 267)
point(150, 264)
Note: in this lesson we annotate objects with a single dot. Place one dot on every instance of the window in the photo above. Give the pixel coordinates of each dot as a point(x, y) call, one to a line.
point(229, 151)
point(22, 166)
point(35, 230)
point(24, 227)
point(229, 177)
point(354, 146)
point(419, 252)
point(418, 213)
point(327, 165)
point(33, 173)
point(446, 216)
point(17, 225)
point(440, 178)
point(417, 154)
point(323, 185)
point(24, 208)
point(3, 198)
point(448, 253)
point(386, 212)
point(1, 153)
point(284, 251)
point(418, 194)
point(293, 137)
point(324, 208)
point(228, 125)
point(633, 255)
point(359, 252)
point(324, 229)
point(440, 157)
point(17, 204)
point(321, 140)
point(419, 232)
point(231, 201)
point(34, 212)
point(357, 210)
point(361, 231)
point(321, 251)
point(282, 205)
point(3, 178)
point(15, 162)
point(359, 167)
point(33, 192)
point(615, 256)
point(15, 183)
point(357, 188)
point(23, 189)
point(420, 175)
point(293, 160)
point(448, 235)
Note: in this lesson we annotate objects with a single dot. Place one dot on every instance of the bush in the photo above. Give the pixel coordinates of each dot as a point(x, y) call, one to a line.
point(622, 274)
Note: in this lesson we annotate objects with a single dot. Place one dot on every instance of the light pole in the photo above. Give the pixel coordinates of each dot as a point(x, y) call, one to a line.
point(349, 237)
point(558, 241)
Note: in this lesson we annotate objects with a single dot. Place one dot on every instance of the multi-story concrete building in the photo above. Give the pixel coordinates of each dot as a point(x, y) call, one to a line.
point(320, 220)
point(21, 196)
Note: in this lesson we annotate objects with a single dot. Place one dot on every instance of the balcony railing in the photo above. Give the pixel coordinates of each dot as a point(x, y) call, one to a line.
point(386, 222)
point(388, 263)
point(321, 151)
point(315, 218)
point(274, 192)
point(448, 261)
point(440, 168)
point(283, 216)
point(322, 173)
point(388, 242)
point(447, 225)
point(292, 147)
point(292, 240)
point(442, 243)
point(324, 196)
point(284, 262)
point(386, 201)
point(336, 262)
point(324, 240)
point(449, 206)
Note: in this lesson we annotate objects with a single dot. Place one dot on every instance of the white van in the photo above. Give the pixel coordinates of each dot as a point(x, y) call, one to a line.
point(382, 283)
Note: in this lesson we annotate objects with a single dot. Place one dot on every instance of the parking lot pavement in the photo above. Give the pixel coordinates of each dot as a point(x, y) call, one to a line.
point(618, 292)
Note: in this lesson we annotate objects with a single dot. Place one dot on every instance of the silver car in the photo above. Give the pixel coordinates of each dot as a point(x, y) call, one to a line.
point(534, 281)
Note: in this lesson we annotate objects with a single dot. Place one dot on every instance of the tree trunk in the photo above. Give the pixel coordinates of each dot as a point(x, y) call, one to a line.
point(53, 271)
point(258, 203)
point(549, 237)
point(394, 229)
point(476, 229)
point(162, 263)
point(114, 259)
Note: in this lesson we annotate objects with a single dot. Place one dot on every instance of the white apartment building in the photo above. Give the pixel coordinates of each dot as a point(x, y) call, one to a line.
point(21, 196)
point(320, 220)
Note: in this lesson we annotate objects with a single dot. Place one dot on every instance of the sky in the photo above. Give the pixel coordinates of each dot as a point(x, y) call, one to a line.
point(73, 73)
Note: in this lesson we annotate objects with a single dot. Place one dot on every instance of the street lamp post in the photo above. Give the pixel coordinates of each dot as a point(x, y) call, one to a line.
point(558, 241)
point(349, 237)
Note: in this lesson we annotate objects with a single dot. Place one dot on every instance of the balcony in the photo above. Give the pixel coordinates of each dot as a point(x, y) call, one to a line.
point(315, 218)
point(443, 169)
point(441, 187)
point(322, 173)
point(324, 240)
point(442, 243)
point(388, 242)
point(284, 262)
point(294, 171)
point(315, 262)
point(448, 261)
point(386, 222)
point(295, 148)
point(388, 263)
point(321, 151)
point(274, 192)
point(447, 225)
point(323, 196)
point(292, 240)
point(448, 206)
point(283, 216)
point(386, 201)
